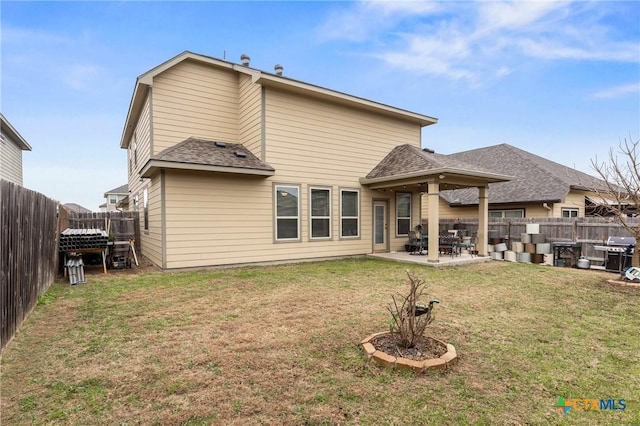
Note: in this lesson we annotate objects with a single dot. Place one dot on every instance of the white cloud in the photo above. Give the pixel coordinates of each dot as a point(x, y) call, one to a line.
point(481, 41)
point(82, 76)
point(515, 15)
point(22, 36)
point(591, 51)
point(503, 72)
point(366, 18)
point(618, 91)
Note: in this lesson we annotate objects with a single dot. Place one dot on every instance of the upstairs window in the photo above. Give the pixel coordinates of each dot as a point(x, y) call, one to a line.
point(135, 149)
point(145, 206)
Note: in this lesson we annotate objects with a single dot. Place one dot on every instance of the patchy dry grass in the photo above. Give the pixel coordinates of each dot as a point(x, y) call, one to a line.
point(279, 345)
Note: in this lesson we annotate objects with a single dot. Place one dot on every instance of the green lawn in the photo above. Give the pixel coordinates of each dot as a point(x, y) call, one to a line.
point(279, 345)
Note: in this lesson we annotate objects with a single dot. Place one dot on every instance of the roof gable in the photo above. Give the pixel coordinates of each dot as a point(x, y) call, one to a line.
point(407, 163)
point(13, 134)
point(122, 189)
point(407, 159)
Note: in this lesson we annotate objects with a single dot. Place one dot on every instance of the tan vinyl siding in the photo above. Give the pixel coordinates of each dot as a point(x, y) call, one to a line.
point(152, 238)
point(250, 115)
point(149, 242)
point(10, 161)
point(216, 219)
point(143, 134)
point(192, 99)
point(311, 140)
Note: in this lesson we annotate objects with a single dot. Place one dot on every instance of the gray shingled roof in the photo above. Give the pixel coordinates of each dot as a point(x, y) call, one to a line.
point(212, 153)
point(407, 159)
point(122, 189)
point(536, 179)
point(76, 208)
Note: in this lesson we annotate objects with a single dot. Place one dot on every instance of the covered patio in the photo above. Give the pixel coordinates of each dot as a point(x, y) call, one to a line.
point(443, 260)
point(409, 168)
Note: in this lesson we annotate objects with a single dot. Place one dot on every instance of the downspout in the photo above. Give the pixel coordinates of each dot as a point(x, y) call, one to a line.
point(546, 206)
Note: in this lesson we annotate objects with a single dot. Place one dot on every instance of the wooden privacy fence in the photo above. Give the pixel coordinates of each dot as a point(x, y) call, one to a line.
point(28, 253)
point(122, 226)
point(590, 231)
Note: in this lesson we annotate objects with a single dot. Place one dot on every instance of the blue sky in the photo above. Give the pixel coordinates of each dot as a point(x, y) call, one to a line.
point(558, 79)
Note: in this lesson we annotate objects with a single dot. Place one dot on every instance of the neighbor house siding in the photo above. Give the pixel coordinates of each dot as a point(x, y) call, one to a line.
point(192, 99)
point(10, 161)
point(532, 210)
point(573, 200)
point(250, 115)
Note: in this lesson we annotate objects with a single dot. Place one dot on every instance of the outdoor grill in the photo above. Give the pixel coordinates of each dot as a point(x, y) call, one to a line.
point(617, 253)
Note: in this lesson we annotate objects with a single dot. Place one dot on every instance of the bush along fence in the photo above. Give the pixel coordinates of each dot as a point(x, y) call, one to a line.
point(28, 253)
point(589, 231)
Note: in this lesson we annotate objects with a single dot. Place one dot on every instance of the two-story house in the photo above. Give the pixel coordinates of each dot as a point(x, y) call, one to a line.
point(11, 146)
point(229, 164)
point(113, 197)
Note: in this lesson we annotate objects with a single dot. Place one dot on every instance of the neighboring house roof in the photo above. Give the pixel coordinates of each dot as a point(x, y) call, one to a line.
point(121, 190)
point(408, 161)
point(536, 179)
point(15, 136)
point(76, 208)
point(208, 155)
point(145, 81)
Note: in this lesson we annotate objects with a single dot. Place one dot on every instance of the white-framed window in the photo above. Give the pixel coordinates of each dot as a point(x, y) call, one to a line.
point(506, 214)
point(145, 206)
point(569, 212)
point(135, 203)
point(320, 213)
point(403, 213)
point(349, 213)
point(135, 148)
point(113, 199)
point(287, 212)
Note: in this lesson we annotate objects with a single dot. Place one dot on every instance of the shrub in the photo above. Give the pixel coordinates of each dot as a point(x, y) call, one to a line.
point(410, 317)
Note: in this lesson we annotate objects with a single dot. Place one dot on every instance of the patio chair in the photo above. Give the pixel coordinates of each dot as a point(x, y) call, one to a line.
point(417, 244)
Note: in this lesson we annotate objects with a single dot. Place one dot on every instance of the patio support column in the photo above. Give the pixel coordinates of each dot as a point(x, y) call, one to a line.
point(483, 221)
point(434, 221)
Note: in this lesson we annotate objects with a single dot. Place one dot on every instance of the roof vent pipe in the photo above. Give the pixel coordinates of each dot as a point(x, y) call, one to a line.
point(279, 69)
point(245, 59)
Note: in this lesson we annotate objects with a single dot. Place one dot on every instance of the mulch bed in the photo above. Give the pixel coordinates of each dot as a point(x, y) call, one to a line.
point(425, 347)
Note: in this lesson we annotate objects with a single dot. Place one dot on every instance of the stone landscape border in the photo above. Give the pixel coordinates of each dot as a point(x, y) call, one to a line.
point(621, 283)
point(386, 360)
